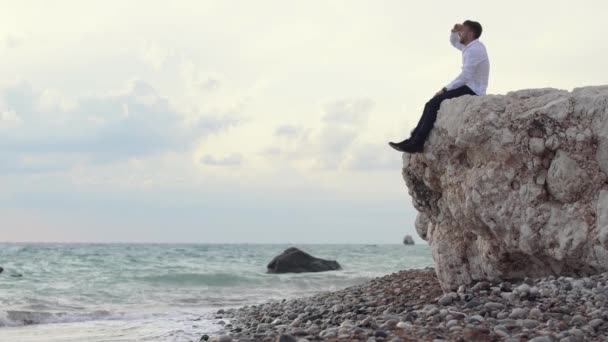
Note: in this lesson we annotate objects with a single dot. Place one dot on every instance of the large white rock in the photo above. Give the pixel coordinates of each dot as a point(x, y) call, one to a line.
point(515, 185)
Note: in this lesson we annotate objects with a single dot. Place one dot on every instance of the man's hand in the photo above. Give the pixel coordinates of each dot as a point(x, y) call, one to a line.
point(457, 28)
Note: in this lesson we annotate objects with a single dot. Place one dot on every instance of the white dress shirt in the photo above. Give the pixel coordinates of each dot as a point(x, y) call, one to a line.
point(475, 66)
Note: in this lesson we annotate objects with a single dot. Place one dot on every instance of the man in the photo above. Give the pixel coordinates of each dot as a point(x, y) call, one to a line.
point(473, 80)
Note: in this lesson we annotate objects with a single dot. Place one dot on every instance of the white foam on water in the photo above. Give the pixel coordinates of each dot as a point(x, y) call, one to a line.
point(123, 327)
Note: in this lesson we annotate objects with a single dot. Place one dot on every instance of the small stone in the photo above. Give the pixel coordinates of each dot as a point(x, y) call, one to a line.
point(286, 338)
point(473, 303)
point(535, 313)
point(501, 331)
point(530, 323)
point(595, 323)
point(445, 300)
point(533, 293)
point(225, 338)
point(380, 333)
point(577, 332)
point(475, 318)
point(518, 313)
point(502, 315)
point(537, 146)
point(494, 306)
point(541, 339)
point(578, 320)
point(457, 315)
point(404, 325)
point(482, 285)
point(451, 323)
point(523, 288)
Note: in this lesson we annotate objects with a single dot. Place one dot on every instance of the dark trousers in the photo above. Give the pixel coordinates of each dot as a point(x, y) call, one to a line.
point(429, 115)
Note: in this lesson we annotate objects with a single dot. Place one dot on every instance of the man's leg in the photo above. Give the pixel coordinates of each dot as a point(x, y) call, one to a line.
point(427, 120)
point(429, 115)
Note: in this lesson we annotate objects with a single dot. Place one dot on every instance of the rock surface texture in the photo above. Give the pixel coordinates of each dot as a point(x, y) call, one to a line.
point(293, 260)
point(515, 185)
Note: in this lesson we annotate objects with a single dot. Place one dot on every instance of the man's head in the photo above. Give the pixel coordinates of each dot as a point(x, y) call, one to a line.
point(470, 31)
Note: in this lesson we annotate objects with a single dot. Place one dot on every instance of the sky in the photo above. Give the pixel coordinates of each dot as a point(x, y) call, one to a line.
point(245, 121)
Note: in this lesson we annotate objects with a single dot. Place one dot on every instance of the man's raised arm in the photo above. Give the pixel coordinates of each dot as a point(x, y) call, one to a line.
point(455, 39)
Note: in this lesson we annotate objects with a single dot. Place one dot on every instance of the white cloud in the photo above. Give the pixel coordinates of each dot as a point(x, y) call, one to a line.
point(12, 41)
point(131, 123)
point(8, 117)
point(234, 159)
point(330, 145)
point(154, 55)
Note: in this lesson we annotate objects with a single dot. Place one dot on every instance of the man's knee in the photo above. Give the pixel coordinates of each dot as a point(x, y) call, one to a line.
point(435, 101)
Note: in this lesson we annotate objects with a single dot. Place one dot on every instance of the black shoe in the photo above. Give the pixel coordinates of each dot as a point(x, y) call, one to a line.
point(409, 145)
point(400, 145)
point(413, 147)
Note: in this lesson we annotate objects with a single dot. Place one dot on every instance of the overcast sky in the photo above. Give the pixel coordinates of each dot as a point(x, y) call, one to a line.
point(245, 121)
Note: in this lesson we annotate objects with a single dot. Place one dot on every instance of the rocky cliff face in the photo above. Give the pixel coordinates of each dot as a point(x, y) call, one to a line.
point(515, 185)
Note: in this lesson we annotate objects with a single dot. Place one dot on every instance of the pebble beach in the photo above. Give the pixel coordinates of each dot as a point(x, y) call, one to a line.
point(410, 306)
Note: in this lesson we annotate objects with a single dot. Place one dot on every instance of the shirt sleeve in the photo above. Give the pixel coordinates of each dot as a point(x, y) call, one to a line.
point(455, 40)
point(472, 57)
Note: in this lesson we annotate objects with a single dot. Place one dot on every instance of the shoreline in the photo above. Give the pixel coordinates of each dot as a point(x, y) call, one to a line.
point(410, 306)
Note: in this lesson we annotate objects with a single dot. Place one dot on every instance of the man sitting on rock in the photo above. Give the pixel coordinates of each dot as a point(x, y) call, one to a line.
point(473, 80)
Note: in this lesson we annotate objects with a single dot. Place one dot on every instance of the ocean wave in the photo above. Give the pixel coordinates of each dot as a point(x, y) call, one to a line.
point(11, 318)
point(202, 279)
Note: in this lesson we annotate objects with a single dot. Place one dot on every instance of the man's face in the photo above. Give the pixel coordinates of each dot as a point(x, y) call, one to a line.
point(466, 35)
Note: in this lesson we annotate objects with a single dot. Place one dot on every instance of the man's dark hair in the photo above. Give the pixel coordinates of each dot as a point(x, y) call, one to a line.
point(474, 26)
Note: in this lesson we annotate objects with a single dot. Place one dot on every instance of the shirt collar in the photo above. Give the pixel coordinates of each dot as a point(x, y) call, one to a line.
point(476, 40)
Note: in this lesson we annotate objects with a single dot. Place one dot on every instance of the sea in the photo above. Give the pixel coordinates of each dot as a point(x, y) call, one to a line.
point(163, 292)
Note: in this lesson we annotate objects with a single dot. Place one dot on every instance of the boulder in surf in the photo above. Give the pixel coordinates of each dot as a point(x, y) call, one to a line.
point(293, 260)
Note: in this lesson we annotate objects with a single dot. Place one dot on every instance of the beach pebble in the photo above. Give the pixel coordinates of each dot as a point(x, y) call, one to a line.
point(547, 309)
point(518, 313)
point(595, 323)
point(286, 338)
point(541, 339)
point(494, 306)
point(529, 323)
point(224, 338)
point(445, 300)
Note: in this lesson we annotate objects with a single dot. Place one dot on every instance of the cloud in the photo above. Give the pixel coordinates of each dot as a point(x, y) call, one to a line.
point(234, 159)
point(292, 132)
point(333, 143)
point(368, 157)
point(209, 84)
point(133, 122)
point(154, 55)
point(11, 41)
point(349, 111)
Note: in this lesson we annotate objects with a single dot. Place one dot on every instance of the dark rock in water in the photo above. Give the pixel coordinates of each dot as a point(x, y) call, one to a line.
point(408, 240)
point(293, 260)
point(1, 269)
point(204, 338)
